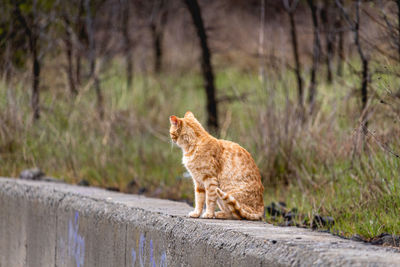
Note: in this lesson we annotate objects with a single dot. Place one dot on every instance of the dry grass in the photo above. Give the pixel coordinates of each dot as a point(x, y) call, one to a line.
point(323, 165)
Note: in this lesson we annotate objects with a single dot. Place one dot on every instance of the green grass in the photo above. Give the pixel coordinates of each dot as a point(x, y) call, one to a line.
point(362, 199)
point(321, 166)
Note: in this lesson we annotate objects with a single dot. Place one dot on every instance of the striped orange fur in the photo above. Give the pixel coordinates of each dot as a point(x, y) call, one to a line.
point(223, 172)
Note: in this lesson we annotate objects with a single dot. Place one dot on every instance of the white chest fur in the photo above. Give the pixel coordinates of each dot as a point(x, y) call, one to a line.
point(185, 161)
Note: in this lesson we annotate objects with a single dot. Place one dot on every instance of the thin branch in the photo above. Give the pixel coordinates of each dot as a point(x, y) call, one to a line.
point(384, 147)
point(345, 14)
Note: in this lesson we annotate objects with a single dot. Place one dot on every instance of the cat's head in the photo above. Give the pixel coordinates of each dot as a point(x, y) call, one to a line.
point(185, 131)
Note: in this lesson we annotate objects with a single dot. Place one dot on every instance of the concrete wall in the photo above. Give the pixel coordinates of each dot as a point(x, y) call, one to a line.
point(46, 224)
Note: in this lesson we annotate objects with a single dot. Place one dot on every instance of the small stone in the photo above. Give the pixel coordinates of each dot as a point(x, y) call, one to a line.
point(84, 182)
point(132, 186)
point(320, 221)
point(275, 209)
point(32, 174)
point(113, 188)
point(391, 240)
point(377, 241)
point(357, 238)
point(290, 216)
point(386, 240)
point(329, 221)
point(283, 204)
point(142, 190)
point(317, 221)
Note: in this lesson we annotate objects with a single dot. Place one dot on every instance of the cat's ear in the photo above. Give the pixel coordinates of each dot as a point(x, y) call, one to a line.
point(189, 114)
point(174, 120)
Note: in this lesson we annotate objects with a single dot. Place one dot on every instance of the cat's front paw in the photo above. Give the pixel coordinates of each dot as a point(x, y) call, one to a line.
point(207, 215)
point(194, 214)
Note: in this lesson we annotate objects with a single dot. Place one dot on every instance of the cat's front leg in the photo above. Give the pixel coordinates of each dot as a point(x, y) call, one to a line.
point(199, 194)
point(210, 185)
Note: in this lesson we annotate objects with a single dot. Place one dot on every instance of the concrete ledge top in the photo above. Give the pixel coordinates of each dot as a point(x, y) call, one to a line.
point(271, 245)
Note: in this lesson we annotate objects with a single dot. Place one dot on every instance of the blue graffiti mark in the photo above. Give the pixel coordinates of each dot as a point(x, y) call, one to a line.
point(141, 249)
point(133, 257)
point(163, 261)
point(76, 243)
point(152, 260)
point(142, 252)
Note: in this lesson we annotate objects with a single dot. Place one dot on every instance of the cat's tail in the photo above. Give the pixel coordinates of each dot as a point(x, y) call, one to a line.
point(235, 207)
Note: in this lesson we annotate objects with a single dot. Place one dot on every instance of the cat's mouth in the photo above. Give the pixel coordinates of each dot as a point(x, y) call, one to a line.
point(174, 137)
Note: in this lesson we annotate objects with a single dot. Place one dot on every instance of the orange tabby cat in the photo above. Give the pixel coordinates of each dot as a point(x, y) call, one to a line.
point(223, 172)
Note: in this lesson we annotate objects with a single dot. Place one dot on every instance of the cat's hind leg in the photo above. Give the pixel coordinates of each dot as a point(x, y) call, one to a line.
point(230, 204)
point(224, 213)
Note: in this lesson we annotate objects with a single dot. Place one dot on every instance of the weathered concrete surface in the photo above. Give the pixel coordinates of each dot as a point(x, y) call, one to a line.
point(51, 224)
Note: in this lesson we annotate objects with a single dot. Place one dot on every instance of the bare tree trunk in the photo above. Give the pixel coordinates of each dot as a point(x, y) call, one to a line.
point(157, 47)
point(78, 68)
point(33, 38)
point(92, 59)
point(157, 23)
point(35, 80)
point(8, 70)
point(329, 39)
point(127, 42)
point(293, 34)
point(355, 26)
point(7, 55)
point(261, 72)
point(364, 83)
point(80, 29)
point(398, 27)
point(68, 51)
point(340, 48)
point(316, 53)
point(208, 74)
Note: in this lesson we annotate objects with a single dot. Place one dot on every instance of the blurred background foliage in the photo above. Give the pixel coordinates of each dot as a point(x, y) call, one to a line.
point(310, 88)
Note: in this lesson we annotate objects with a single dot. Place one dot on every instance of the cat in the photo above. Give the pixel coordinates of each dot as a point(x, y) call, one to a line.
point(223, 172)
